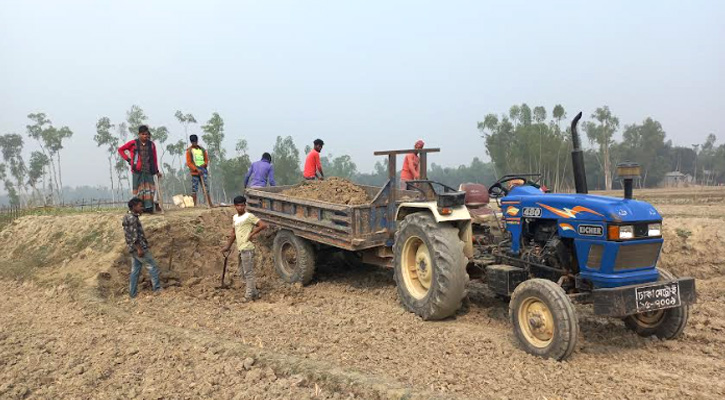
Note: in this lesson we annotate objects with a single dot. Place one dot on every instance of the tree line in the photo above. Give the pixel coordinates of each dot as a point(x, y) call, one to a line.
point(527, 140)
point(521, 140)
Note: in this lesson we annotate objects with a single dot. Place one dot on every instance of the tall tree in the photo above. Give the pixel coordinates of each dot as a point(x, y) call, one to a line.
point(36, 172)
point(135, 117)
point(185, 120)
point(39, 131)
point(54, 146)
point(104, 137)
point(540, 117)
point(160, 135)
point(602, 133)
point(11, 146)
point(177, 151)
point(559, 114)
point(120, 166)
point(213, 137)
point(645, 144)
point(286, 158)
point(526, 116)
point(341, 166)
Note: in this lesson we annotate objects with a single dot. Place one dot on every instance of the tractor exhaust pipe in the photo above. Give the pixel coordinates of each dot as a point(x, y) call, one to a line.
point(577, 158)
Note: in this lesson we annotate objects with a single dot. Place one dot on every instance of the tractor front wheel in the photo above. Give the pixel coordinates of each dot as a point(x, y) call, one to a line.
point(430, 267)
point(544, 319)
point(665, 324)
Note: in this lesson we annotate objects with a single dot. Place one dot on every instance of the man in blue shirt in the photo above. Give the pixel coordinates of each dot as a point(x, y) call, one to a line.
point(260, 173)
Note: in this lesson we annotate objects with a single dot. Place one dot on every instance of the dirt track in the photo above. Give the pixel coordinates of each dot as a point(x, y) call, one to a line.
point(344, 333)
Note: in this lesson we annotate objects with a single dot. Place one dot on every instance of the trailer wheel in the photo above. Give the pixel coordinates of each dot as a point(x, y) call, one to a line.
point(430, 267)
point(294, 258)
point(665, 324)
point(544, 319)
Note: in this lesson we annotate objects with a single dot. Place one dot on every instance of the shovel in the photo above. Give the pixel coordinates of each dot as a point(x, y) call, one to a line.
point(224, 271)
point(160, 204)
point(203, 186)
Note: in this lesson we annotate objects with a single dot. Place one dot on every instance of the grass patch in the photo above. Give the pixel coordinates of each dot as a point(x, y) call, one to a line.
point(683, 233)
point(22, 268)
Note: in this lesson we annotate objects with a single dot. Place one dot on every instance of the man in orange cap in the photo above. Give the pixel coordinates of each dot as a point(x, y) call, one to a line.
point(411, 166)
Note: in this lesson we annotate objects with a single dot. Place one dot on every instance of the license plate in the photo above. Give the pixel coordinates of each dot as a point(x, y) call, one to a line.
point(657, 297)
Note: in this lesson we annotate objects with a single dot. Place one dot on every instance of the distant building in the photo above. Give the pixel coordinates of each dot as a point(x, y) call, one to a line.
point(676, 179)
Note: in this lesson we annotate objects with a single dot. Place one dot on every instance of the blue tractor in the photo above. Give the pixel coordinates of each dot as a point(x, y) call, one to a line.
point(559, 249)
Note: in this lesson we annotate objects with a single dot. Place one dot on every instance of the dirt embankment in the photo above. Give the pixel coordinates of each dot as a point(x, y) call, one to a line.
point(332, 190)
point(89, 251)
point(344, 335)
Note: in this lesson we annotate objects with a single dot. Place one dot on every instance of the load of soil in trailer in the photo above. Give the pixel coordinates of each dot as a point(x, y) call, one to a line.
point(332, 190)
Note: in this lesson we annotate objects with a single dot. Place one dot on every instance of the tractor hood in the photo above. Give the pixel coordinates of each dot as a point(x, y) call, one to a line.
point(582, 206)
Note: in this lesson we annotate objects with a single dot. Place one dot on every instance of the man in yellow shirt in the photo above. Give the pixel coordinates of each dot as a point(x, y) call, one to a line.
point(246, 227)
point(197, 159)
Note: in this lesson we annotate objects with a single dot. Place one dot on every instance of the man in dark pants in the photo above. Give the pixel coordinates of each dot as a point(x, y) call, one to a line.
point(138, 246)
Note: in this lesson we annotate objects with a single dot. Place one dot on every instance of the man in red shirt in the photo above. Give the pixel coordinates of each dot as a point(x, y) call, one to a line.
point(411, 166)
point(144, 165)
point(312, 162)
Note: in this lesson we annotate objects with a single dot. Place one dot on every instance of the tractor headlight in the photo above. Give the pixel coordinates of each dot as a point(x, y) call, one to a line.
point(654, 229)
point(626, 232)
point(619, 232)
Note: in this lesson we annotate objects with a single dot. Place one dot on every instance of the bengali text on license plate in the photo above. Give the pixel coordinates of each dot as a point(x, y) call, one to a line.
point(657, 297)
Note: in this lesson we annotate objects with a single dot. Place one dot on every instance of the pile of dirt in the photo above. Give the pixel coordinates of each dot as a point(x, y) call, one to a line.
point(332, 190)
point(89, 251)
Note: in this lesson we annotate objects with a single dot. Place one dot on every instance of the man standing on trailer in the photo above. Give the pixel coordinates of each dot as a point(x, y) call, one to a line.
point(313, 166)
point(261, 172)
point(197, 159)
point(411, 166)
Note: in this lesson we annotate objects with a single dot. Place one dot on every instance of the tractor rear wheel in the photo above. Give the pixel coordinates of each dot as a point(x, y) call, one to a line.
point(294, 258)
point(665, 324)
point(430, 267)
point(544, 319)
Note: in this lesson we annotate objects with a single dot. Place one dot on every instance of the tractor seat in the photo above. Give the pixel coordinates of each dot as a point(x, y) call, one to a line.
point(476, 202)
point(476, 195)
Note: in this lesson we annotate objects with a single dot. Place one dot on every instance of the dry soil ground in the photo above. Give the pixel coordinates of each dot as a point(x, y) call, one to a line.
point(68, 331)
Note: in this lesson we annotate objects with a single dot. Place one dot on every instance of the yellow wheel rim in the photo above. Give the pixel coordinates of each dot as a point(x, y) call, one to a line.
point(417, 268)
point(649, 319)
point(536, 322)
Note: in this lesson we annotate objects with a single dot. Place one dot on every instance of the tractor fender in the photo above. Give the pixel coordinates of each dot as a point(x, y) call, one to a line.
point(460, 218)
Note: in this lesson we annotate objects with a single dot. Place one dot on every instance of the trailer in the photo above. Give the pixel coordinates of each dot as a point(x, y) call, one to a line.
point(423, 232)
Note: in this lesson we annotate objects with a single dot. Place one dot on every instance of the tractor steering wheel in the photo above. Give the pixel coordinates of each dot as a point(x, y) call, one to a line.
point(498, 190)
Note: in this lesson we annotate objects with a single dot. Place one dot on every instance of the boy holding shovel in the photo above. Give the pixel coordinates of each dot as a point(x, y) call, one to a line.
point(246, 227)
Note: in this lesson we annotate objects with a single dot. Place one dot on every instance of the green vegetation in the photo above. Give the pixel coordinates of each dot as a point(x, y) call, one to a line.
point(523, 139)
point(683, 233)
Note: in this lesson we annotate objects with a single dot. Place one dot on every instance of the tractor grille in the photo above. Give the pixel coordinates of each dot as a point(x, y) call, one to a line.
point(637, 256)
point(594, 261)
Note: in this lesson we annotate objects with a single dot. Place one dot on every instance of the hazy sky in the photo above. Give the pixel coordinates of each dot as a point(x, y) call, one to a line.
point(363, 76)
